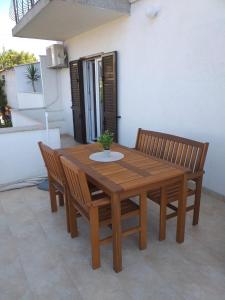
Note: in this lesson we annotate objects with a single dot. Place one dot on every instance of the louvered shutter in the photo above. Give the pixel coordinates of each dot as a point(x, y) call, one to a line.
point(109, 72)
point(78, 107)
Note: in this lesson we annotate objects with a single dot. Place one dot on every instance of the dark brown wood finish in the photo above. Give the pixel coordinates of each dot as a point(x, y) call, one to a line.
point(135, 175)
point(180, 151)
point(78, 106)
point(109, 74)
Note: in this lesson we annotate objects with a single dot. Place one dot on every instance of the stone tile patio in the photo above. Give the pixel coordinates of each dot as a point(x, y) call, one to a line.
point(39, 260)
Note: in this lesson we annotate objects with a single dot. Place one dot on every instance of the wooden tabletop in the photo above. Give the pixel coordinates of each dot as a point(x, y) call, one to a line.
point(134, 170)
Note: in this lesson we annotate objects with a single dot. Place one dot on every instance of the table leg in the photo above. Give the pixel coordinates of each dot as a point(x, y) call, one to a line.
point(116, 232)
point(163, 207)
point(143, 221)
point(182, 211)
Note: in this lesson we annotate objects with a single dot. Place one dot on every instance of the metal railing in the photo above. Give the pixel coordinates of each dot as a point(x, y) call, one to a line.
point(19, 8)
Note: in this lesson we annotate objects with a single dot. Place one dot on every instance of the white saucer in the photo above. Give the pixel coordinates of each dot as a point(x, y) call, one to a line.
point(106, 157)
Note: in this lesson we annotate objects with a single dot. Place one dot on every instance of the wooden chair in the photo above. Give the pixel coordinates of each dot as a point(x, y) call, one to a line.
point(56, 179)
point(97, 211)
point(180, 151)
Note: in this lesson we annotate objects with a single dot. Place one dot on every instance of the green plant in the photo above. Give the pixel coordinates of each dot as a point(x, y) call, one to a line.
point(32, 75)
point(12, 58)
point(106, 140)
point(3, 98)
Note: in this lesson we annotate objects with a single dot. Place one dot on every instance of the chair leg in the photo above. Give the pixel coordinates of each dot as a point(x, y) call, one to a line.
point(143, 222)
point(163, 205)
point(61, 199)
point(52, 193)
point(197, 201)
point(73, 221)
point(95, 239)
point(66, 196)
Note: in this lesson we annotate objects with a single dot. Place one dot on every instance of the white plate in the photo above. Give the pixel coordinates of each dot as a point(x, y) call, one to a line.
point(106, 157)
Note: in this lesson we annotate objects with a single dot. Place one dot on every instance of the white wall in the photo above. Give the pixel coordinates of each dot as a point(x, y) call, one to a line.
point(30, 100)
point(20, 156)
point(19, 120)
point(24, 85)
point(66, 100)
point(171, 73)
point(52, 94)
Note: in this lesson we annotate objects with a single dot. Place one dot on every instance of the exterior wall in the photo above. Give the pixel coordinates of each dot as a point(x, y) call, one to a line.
point(19, 120)
point(52, 93)
point(30, 100)
point(10, 87)
point(24, 161)
point(23, 84)
point(66, 100)
point(171, 73)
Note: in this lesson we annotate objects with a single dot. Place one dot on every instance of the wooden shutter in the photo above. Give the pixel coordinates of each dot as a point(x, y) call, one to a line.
point(109, 72)
point(78, 107)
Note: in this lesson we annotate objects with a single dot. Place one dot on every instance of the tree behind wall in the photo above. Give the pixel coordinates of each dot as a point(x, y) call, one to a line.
point(3, 99)
point(12, 58)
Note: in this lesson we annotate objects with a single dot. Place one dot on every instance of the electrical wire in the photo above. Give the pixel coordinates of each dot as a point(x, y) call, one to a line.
point(21, 184)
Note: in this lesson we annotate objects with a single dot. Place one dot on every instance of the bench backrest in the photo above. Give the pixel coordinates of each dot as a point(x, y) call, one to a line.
point(181, 151)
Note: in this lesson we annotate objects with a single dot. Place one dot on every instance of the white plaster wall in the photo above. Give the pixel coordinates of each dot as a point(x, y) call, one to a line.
point(10, 87)
point(52, 92)
point(22, 83)
point(66, 100)
point(20, 156)
point(20, 120)
point(30, 100)
point(171, 73)
point(51, 86)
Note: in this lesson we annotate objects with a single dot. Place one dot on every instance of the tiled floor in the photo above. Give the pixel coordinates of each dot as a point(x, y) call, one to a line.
point(39, 260)
point(67, 141)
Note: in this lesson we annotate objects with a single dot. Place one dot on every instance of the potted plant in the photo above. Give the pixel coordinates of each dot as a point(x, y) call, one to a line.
point(32, 75)
point(106, 140)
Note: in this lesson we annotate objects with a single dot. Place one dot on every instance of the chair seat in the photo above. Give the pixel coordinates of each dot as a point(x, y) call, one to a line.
point(173, 192)
point(128, 208)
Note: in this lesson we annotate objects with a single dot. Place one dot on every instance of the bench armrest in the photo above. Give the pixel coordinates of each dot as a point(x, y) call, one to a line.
point(196, 175)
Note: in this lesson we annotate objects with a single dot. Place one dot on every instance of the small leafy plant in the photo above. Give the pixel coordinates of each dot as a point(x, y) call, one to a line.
point(32, 75)
point(106, 140)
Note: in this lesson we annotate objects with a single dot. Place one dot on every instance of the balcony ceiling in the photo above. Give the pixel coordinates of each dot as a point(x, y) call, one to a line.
point(60, 20)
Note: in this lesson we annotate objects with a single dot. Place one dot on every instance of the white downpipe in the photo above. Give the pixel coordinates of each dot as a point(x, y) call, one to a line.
point(47, 127)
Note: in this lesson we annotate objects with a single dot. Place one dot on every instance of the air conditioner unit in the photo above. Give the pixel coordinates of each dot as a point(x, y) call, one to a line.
point(56, 56)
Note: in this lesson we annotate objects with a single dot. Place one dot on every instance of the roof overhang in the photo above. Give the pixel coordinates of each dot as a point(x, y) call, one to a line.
point(60, 20)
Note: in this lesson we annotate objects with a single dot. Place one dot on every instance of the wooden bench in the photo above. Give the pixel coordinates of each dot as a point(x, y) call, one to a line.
point(183, 152)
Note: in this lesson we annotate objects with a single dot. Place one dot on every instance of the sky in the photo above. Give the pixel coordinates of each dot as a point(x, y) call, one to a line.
point(38, 47)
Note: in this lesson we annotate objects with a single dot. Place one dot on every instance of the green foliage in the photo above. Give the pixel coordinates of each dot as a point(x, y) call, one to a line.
point(7, 123)
point(32, 75)
point(3, 99)
point(106, 140)
point(12, 58)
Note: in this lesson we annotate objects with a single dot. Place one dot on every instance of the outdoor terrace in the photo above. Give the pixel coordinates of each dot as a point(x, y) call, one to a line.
point(39, 260)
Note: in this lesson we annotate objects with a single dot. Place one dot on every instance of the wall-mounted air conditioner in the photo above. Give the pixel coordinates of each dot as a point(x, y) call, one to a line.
point(56, 56)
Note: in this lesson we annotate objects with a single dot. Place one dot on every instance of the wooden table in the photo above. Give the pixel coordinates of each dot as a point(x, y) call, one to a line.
point(136, 174)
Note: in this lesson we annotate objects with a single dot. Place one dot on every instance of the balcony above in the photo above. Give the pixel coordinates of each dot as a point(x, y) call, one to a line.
point(60, 20)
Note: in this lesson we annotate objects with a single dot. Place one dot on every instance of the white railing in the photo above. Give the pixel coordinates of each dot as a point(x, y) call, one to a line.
point(19, 8)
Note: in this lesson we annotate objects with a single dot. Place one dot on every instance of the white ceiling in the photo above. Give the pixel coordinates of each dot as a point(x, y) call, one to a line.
point(61, 20)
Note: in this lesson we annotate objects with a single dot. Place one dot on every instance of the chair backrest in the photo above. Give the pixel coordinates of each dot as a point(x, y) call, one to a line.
point(181, 151)
point(52, 163)
point(77, 185)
